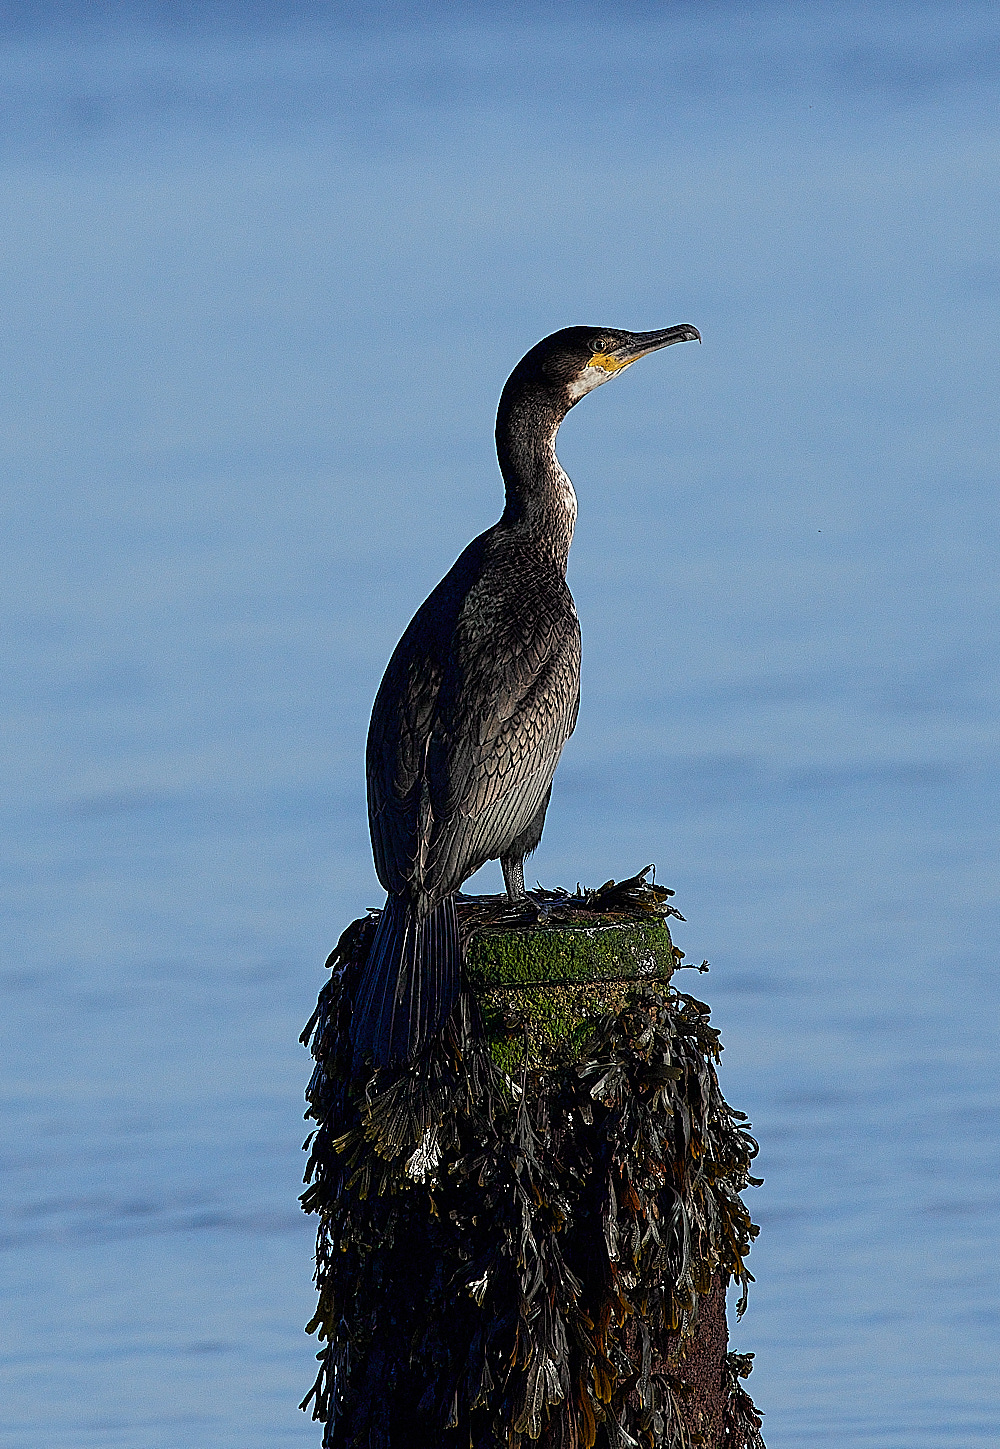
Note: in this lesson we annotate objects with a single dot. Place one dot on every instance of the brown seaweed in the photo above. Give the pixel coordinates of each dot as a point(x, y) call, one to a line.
point(511, 1260)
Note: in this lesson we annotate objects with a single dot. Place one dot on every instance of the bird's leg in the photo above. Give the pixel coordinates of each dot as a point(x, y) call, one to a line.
point(513, 876)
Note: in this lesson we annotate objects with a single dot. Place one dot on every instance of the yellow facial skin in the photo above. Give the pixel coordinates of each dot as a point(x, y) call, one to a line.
point(607, 363)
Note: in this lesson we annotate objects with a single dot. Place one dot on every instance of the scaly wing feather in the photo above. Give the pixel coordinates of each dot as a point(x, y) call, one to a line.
point(470, 721)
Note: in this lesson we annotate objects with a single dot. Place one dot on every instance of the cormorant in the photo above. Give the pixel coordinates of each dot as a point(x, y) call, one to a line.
point(478, 700)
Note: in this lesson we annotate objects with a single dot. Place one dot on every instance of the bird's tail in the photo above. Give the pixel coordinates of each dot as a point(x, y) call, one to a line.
point(410, 981)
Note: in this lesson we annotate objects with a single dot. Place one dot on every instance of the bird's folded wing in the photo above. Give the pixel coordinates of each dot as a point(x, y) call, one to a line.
point(498, 733)
point(402, 721)
point(462, 749)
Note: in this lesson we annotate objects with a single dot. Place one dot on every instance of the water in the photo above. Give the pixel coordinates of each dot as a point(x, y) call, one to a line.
point(262, 283)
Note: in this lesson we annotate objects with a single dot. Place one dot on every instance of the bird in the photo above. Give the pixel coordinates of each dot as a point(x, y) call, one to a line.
point(477, 701)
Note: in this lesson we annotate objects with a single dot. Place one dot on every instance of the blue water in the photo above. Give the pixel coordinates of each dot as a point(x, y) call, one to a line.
point(262, 281)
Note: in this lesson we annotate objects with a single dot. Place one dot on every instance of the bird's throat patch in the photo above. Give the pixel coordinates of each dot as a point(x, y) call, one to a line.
point(601, 367)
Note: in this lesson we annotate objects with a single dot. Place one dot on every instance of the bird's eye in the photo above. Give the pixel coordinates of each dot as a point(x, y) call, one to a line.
point(602, 344)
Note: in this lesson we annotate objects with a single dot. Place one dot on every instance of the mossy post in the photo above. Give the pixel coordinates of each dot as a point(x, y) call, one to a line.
point(526, 1236)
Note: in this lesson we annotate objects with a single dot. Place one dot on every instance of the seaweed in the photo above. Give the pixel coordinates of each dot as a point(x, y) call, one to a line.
point(532, 1256)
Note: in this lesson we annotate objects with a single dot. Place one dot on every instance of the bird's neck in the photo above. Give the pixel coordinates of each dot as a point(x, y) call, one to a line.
point(541, 503)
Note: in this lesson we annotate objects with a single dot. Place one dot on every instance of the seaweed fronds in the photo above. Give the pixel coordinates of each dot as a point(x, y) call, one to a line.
point(531, 1259)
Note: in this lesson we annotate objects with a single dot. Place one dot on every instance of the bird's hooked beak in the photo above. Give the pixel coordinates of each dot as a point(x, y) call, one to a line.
point(642, 343)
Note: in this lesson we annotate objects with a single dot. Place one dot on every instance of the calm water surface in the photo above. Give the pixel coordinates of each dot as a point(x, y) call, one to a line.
point(261, 287)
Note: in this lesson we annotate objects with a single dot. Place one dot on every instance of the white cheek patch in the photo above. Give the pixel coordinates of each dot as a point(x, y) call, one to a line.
point(589, 378)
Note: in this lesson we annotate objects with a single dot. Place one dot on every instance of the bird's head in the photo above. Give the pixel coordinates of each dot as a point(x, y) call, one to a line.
point(572, 362)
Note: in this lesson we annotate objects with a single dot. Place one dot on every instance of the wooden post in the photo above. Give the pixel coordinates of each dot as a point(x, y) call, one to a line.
point(526, 1236)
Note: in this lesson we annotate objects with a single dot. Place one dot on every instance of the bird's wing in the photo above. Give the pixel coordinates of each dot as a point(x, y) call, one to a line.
point(465, 738)
point(503, 714)
point(398, 737)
